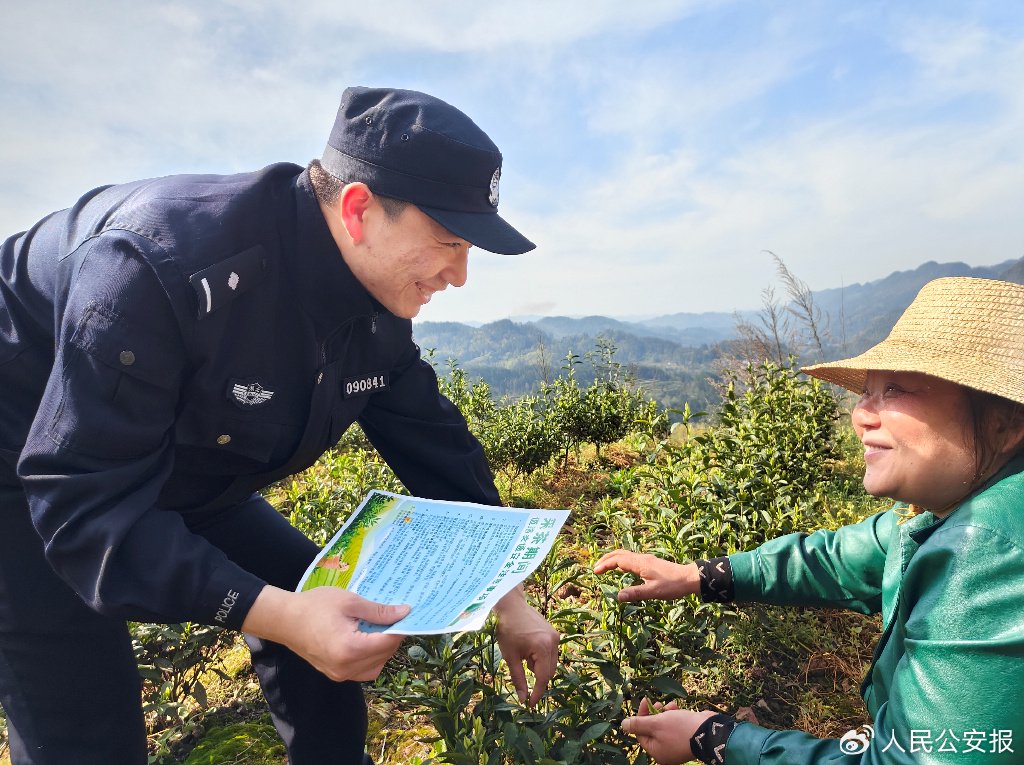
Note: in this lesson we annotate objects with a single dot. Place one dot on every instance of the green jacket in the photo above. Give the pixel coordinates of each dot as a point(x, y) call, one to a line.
point(947, 678)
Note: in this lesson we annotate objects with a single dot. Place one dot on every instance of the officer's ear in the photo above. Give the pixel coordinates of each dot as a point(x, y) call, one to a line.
point(354, 201)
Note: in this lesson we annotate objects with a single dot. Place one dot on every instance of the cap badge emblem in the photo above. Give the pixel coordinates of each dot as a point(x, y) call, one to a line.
point(493, 196)
point(233, 280)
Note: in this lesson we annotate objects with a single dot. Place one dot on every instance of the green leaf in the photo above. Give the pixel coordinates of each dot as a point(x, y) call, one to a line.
point(594, 732)
point(610, 673)
point(668, 685)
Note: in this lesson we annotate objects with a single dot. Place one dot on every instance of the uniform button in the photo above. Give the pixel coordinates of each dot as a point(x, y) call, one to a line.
point(319, 378)
point(127, 358)
point(224, 439)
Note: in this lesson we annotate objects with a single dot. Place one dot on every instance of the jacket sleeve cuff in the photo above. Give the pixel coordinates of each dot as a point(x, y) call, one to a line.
point(709, 740)
point(745, 582)
point(745, 743)
point(228, 596)
point(716, 580)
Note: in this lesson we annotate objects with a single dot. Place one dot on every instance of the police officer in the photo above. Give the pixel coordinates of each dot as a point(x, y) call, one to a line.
point(171, 346)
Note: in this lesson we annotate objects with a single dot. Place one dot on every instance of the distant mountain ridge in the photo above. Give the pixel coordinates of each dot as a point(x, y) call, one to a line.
point(866, 312)
point(672, 354)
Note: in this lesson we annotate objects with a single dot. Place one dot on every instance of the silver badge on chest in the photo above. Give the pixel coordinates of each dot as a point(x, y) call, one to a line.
point(249, 394)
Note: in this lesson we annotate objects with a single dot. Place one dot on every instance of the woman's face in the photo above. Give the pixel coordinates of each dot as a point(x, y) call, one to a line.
point(918, 439)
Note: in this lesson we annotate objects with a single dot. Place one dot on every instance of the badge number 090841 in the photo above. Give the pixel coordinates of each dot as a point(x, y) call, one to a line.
point(364, 384)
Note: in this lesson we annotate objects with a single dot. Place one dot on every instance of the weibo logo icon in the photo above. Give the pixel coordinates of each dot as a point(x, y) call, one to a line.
point(856, 741)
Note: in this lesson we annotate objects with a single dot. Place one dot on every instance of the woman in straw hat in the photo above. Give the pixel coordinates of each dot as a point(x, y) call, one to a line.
point(941, 417)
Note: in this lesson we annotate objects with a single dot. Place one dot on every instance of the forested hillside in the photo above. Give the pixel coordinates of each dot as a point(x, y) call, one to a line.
point(673, 356)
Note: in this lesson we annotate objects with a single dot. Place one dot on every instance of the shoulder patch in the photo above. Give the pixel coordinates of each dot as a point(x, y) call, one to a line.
point(219, 284)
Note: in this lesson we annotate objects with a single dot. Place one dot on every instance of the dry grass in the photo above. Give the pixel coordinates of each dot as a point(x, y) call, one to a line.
point(795, 667)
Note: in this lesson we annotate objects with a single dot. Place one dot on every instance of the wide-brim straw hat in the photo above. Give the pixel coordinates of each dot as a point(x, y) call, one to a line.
point(965, 330)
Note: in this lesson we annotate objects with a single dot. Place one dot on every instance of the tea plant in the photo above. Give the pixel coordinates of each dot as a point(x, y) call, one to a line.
point(318, 503)
point(756, 475)
point(770, 462)
point(4, 745)
point(752, 476)
point(560, 417)
point(519, 437)
point(172, 660)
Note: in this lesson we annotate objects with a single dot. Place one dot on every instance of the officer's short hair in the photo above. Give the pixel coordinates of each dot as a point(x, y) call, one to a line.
point(328, 188)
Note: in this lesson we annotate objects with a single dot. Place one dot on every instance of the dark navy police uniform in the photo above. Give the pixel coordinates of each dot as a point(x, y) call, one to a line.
point(168, 348)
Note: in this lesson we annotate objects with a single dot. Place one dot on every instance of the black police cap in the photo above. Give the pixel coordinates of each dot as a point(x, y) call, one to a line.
point(417, 148)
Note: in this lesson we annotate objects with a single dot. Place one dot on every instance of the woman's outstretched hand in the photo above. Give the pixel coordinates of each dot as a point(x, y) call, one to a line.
point(663, 579)
point(665, 731)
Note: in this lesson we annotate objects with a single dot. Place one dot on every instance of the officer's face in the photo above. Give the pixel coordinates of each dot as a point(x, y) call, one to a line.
point(404, 261)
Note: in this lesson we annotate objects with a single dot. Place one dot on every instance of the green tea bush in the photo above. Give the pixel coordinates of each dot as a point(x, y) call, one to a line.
point(459, 683)
point(612, 405)
point(172, 660)
point(563, 398)
point(763, 466)
point(472, 399)
point(613, 411)
point(755, 473)
point(602, 413)
point(519, 437)
point(318, 503)
point(4, 744)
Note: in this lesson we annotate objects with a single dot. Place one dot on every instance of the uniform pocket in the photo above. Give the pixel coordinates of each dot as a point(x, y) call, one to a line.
point(139, 352)
point(228, 435)
point(107, 414)
point(118, 387)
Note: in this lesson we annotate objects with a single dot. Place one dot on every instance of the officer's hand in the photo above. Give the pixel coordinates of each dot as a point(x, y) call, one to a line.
point(663, 579)
point(524, 636)
point(322, 626)
point(665, 733)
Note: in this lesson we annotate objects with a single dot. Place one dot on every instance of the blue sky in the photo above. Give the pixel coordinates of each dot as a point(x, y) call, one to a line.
point(654, 150)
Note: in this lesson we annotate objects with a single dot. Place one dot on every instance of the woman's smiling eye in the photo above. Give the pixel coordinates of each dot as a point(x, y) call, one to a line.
point(891, 390)
point(887, 391)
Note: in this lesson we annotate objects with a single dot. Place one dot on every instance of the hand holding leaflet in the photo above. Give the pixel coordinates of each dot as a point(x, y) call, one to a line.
point(451, 561)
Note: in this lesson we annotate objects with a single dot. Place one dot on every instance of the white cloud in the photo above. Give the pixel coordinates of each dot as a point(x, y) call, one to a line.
point(849, 196)
point(470, 26)
point(652, 151)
